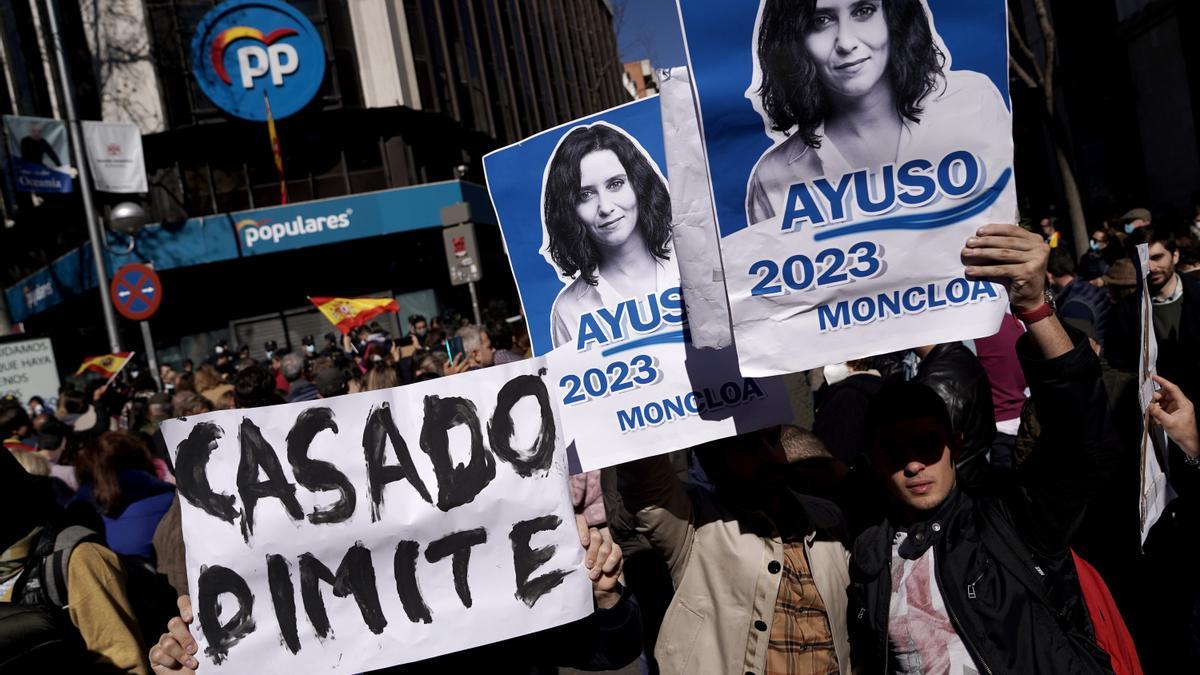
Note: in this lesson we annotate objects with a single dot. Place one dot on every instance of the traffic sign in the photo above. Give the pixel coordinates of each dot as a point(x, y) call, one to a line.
point(136, 291)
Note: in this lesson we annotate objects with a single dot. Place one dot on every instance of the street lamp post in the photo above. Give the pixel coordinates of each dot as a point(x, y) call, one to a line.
point(85, 184)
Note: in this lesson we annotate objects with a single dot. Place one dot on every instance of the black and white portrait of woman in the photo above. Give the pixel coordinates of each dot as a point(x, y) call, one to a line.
point(849, 84)
point(607, 218)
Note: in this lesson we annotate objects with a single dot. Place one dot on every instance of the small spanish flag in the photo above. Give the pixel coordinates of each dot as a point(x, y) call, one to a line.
point(108, 365)
point(350, 313)
point(275, 150)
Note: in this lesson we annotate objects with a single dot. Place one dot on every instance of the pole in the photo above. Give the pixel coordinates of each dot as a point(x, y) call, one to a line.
point(151, 355)
point(475, 303)
point(95, 231)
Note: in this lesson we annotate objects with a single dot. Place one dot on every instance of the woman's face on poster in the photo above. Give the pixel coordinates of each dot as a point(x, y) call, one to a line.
point(848, 42)
point(606, 203)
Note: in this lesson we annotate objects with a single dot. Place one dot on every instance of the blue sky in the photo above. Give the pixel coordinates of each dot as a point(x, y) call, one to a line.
point(649, 29)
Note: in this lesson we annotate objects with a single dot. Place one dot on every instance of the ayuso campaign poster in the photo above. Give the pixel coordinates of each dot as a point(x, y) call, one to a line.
point(586, 217)
point(855, 145)
point(40, 155)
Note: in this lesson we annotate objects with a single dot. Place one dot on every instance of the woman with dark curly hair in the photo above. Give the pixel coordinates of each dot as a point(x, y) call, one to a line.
point(853, 84)
point(607, 215)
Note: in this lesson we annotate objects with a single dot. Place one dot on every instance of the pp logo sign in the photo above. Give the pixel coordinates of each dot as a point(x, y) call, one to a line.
point(244, 50)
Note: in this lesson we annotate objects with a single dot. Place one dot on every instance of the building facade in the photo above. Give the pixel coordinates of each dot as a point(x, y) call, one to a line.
point(414, 93)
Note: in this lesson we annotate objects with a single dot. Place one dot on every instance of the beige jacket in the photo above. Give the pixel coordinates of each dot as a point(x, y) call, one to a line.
point(719, 566)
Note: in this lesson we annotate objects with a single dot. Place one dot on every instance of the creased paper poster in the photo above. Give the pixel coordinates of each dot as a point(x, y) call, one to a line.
point(587, 221)
point(1155, 492)
point(366, 530)
point(700, 270)
point(853, 147)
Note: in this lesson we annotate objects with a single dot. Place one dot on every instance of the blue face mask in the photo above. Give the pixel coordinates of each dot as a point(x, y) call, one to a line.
point(1095, 245)
point(1129, 228)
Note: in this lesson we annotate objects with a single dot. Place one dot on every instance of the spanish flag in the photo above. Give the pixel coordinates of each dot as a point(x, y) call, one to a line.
point(350, 313)
point(275, 150)
point(108, 365)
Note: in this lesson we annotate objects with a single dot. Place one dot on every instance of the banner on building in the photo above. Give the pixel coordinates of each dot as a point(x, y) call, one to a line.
point(27, 369)
point(40, 154)
point(442, 508)
point(114, 151)
point(851, 155)
point(586, 216)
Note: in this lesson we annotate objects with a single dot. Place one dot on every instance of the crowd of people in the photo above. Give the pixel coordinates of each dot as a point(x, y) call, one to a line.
point(955, 508)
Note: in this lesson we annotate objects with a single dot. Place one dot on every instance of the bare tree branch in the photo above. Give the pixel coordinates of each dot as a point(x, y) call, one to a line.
point(1014, 32)
point(1022, 74)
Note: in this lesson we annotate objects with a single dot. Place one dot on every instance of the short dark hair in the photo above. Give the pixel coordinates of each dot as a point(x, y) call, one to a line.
point(569, 244)
point(254, 387)
point(792, 94)
point(1061, 263)
point(414, 319)
point(499, 334)
point(12, 418)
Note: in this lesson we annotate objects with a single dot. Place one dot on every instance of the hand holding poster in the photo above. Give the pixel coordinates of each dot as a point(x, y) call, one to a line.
point(859, 144)
point(587, 222)
point(442, 508)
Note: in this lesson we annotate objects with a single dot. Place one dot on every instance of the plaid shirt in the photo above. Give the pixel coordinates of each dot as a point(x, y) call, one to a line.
point(801, 641)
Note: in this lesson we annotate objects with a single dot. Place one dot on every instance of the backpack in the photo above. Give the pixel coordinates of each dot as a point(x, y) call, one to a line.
point(43, 584)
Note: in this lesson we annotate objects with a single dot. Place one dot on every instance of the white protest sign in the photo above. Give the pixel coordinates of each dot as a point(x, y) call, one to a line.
point(1155, 492)
point(588, 224)
point(442, 508)
point(851, 155)
point(27, 369)
point(114, 151)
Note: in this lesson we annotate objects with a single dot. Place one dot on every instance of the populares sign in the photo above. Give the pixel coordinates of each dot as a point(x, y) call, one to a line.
point(246, 52)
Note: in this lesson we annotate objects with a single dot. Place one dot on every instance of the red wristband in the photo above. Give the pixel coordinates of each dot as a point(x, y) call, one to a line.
point(1034, 315)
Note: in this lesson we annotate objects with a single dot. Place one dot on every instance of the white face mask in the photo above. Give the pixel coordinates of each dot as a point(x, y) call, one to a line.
point(836, 372)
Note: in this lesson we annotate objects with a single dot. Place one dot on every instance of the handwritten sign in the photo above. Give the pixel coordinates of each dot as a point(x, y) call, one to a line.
point(378, 528)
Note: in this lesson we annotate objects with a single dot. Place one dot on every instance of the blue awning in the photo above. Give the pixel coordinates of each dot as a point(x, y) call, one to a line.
point(244, 234)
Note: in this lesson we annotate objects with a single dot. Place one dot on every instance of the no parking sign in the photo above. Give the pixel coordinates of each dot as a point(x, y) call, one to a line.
point(136, 291)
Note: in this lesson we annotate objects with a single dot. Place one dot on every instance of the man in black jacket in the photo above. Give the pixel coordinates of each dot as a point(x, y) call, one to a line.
point(963, 579)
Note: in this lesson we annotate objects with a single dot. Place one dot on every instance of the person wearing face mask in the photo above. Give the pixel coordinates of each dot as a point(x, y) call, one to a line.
point(851, 84)
point(607, 215)
point(1096, 261)
point(418, 328)
point(1135, 220)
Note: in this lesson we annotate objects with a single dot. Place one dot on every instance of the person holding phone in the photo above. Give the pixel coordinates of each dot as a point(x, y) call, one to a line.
point(607, 215)
point(853, 84)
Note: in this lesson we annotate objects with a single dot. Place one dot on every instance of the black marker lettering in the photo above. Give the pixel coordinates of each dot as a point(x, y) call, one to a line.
point(256, 452)
point(380, 429)
point(527, 560)
point(355, 575)
point(458, 544)
point(283, 596)
point(405, 567)
point(501, 428)
point(316, 475)
point(191, 464)
point(214, 582)
point(457, 485)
